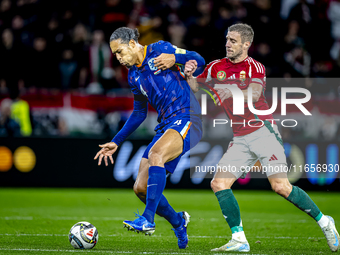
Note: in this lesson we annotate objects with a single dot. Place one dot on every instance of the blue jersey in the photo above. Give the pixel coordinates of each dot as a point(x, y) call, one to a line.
point(167, 91)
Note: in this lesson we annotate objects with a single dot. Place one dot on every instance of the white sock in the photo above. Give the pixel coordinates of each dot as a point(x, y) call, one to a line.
point(323, 222)
point(239, 236)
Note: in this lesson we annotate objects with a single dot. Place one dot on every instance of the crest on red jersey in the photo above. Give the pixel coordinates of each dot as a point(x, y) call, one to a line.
point(221, 75)
point(242, 75)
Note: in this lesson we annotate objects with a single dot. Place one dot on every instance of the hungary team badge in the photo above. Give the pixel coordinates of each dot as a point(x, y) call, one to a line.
point(242, 76)
point(221, 75)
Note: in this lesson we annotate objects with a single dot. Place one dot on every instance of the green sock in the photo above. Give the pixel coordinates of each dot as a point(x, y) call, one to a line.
point(230, 209)
point(302, 201)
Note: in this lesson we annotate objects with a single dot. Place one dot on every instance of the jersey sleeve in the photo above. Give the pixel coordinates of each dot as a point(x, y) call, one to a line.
point(140, 110)
point(133, 86)
point(258, 73)
point(134, 89)
point(181, 55)
point(206, 75)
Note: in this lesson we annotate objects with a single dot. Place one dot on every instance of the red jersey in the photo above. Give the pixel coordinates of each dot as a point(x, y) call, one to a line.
point(242, 74)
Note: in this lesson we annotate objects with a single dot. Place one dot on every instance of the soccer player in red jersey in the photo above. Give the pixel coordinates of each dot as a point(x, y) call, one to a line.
point(256, 137)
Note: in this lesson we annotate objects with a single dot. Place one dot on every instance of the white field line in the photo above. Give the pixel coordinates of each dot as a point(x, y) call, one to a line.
point(79, 218)
point(190, 236)
point(92, 251)
point(16, 218)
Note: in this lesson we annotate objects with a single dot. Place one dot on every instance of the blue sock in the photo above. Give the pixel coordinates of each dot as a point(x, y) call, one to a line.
point(165, 210)
point(156, 185)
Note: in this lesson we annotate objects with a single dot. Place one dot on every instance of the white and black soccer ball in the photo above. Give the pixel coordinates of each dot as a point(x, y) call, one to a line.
point(83, 235)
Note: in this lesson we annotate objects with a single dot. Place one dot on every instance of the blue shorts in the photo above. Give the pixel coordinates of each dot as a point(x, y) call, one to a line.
point(189, 127)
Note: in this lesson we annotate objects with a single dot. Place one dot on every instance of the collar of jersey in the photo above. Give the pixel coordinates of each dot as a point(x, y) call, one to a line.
point(145, 47)
point(237, 62)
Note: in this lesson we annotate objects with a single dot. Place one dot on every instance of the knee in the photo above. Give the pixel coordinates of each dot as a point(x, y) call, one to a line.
point(218, 185)
point(281, 188)
point(139, 190)
point(155, 158)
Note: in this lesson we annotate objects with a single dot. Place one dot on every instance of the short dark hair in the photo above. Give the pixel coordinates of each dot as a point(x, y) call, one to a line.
point(125, 34)
point(246, 32)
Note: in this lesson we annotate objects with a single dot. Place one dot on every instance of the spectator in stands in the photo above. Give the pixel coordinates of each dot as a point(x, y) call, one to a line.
point(20, 112)
point(8, 126)
point(177, 32)
point(300, 61)
point(201, 34)
point(265, 55)
point(80, 46)
point(334, 16)
point(21, 34)
point(6, 13)
point(11, 70)
point(68, 68)
point(305, 14)
point(100, 56)
point(240, 11)
point(55, 34)
point(263, 19)
point(328, 129)
point(68, 21)
point(226, 17)
point(149, 30)
point(41, 67)
point(112, 15)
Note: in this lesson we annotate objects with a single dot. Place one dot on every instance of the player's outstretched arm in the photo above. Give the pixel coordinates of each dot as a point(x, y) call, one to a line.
point(140, 109)
point(189, 70)
point(106, 151)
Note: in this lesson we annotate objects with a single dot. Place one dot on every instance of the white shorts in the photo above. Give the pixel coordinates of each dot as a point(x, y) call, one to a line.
point(264, 144)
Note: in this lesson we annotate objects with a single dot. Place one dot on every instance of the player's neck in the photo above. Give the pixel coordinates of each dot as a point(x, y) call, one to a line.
point(140, 55)
point(239, 59)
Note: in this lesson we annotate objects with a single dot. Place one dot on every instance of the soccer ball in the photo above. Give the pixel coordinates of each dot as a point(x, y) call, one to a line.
point(83, 235)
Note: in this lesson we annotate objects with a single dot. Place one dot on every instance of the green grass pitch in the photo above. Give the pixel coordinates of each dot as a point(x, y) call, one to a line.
point(37, 221)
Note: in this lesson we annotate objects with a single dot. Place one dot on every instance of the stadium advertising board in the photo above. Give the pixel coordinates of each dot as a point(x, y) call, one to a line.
point(312, 165)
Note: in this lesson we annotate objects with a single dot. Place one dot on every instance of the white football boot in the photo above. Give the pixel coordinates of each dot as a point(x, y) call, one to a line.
point(331, 235)
point(234, 245)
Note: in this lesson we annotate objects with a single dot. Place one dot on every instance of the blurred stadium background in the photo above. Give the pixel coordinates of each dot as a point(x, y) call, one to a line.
point(62, 93)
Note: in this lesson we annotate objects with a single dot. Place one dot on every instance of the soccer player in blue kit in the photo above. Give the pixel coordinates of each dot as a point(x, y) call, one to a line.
point(155, 77)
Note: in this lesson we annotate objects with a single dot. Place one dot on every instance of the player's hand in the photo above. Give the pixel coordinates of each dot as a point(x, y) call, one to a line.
point(107, 151)
point(190, 68)
point(224, 94)
point(164, 61)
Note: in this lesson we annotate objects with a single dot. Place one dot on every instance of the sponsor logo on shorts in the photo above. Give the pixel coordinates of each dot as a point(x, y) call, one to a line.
point(273, 158)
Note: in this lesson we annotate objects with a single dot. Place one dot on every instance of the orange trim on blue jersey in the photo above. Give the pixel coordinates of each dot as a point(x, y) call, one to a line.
point(186, 131)
point(179, 70)
point(145, 47)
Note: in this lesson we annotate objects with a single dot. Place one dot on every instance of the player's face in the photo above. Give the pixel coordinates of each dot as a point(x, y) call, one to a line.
point(125, 53)
point(234, 45)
